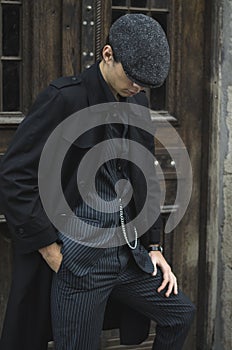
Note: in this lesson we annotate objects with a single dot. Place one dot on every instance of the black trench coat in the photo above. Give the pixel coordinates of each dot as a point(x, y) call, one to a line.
point(27, 322)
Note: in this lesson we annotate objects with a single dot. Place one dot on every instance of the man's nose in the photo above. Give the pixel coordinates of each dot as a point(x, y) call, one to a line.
point(138, 87)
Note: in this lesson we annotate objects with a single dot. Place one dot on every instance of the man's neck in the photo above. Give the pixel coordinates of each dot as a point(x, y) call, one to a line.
point(104, 75)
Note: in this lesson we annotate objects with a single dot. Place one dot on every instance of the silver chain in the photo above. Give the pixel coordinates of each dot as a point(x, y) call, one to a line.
point(124, 228)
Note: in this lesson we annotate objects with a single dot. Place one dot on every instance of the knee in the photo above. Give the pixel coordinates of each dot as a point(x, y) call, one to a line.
point(185, 314)
point(190, 310)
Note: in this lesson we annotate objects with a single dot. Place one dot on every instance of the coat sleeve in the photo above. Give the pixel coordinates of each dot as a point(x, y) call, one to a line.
point(20, 200)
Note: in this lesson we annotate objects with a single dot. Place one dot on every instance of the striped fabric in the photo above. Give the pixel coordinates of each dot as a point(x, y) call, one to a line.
point(77, 255)
point(89, 275)
point(78, 303)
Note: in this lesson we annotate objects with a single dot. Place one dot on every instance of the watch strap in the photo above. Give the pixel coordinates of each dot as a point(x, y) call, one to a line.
point(155, 248)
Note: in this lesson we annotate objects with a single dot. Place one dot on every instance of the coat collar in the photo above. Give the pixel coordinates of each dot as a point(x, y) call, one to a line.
point(97, 89)
point(99, 93)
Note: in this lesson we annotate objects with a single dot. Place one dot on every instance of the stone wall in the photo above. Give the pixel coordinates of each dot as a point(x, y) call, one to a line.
point(223, 322)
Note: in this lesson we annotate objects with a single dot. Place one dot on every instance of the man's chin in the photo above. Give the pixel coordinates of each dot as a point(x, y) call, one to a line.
point(127, 94)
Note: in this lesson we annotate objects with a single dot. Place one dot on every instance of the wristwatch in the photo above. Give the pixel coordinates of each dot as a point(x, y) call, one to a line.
point(155, 248)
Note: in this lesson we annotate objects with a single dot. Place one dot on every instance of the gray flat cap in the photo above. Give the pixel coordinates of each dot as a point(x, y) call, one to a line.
point(140, 44)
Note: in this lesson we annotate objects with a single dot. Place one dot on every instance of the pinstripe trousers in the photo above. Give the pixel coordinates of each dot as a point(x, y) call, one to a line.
point(78, 303)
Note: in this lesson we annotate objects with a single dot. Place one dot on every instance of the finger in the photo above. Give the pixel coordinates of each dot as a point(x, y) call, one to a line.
point(58, 265)
point(164, 283)
point(154, 273)
point(175, 287)
point(154, 265)
point(170, 288)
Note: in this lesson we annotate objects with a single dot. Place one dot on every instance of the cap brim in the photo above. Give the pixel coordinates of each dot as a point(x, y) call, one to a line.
point(143, 83)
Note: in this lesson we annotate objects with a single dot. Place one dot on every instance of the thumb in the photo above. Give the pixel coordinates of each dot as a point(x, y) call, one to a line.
point(155, 268)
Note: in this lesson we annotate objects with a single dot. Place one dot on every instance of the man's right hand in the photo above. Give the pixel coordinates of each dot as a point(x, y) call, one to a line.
point(52, 255)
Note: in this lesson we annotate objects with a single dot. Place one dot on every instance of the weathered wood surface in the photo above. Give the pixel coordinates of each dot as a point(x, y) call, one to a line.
point(71, 37)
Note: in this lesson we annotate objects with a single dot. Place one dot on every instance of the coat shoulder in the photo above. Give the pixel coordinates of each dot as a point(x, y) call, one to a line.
point(64, 82)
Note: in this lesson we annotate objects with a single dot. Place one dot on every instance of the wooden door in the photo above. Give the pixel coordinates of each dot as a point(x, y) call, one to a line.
point(47, 39)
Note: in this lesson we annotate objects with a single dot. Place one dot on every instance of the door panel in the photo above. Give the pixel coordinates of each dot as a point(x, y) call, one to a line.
point(180, 102)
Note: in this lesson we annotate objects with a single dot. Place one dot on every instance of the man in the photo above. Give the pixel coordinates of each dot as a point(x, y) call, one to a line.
point(121, 285)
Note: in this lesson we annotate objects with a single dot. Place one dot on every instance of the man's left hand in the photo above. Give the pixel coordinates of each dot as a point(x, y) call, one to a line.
point(169, 279)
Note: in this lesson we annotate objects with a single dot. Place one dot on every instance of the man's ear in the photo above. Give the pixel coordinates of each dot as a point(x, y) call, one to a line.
point(107, 53)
